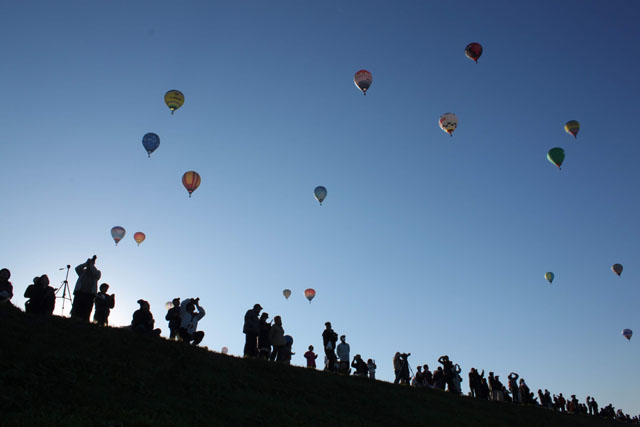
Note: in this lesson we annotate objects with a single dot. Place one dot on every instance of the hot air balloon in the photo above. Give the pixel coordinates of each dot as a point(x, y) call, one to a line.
point(320, 193)
point(572, 127)
point(150, 142)
point(363, 80)
point(174, 100)
point(168, 305)
point(627, 333)
point(139, 237)
point(225, 350)
point(191, 181)
point(617, 268)
point(448, 122)
point(286, 293)
point(549, 276)
point(473, 51)
point(556, 156)
point(309, 294)
point(117, 233)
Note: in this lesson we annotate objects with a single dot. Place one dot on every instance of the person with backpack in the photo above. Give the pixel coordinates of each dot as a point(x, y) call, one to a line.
point(189, 319)
point(173, 316)
point(42, 297)
point(329, 339)
point(86, 289)
point(103, 303)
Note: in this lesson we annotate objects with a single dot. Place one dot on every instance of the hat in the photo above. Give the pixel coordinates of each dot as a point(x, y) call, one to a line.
point(258, 306)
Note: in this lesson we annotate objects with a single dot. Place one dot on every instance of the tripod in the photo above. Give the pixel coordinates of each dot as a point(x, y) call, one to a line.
point(66, 293)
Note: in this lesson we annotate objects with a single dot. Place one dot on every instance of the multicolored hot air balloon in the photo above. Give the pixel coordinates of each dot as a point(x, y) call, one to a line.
point(473, 51)
point(556, 156)
point(286, 293)
point(617, 268)
point(321, 193)
point(139, 237)
point(174, 100)
point(309, 294)
point(225, 350)
point(448, 122)
point(627, 333)
point(150, 142)
point(363, 80)
point(549, 276)
point(191, 181)
point(118, 233)
point(572, 128)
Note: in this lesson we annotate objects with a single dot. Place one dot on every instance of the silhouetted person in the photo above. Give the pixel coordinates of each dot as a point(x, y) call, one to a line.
point(173, 316)
point(484, 389)
point(560, 402)
point(143, 322)
point(276, 336)
point(547, 399)
point(428, 376)
point(475, 382)
point(513, 386)
point(593, 405)
point(311, 358)
point(189, 319)
point(418, 378)
point(6, 288)
point(329, 340)
point(360, 366)
point(439, 381)
point(501, 395)
point(251, 330)
point(448, 369)
point(264, 344)
point(343, 350)
point(104, 303)
point(405, 378)
point(86, 289)
point(457, 379)
point(524, 392)
point(371, 367)
point(285, 351)
point(42, 297)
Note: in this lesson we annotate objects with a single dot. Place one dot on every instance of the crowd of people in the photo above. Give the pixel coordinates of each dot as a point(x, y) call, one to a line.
point(266, 340)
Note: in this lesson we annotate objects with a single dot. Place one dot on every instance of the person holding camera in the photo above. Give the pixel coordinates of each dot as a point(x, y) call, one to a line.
point(189, 321)
point(86, 289)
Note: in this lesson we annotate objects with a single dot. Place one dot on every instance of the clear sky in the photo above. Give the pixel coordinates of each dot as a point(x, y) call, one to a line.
point(425, 244)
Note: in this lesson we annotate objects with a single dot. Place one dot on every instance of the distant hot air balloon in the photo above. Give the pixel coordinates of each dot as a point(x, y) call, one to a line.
point(363, 80)
point(617, 268)
point(627, 333)
point(448, 122)
point(117, 233)
point(225, 350)
point(549, 276)
point(168, 305)
point(150, 142)
point(139, 237)
point(572, 128)
point(286, 293)
point(321, 193)
point(191, 181)
point(174, 100)
point(473, 51)
point(309, 294)
point(556, 156)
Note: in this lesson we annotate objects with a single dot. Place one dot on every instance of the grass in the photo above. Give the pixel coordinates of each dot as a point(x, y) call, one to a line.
point(58, 371)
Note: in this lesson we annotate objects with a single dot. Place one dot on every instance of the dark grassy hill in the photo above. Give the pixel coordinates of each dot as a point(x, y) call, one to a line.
point(61, 372)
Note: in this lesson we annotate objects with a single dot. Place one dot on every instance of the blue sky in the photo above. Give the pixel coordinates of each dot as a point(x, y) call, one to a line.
point(426, 243)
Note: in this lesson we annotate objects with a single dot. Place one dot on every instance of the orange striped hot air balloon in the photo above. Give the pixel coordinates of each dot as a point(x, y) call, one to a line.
point(139, 237)
point(191, 181)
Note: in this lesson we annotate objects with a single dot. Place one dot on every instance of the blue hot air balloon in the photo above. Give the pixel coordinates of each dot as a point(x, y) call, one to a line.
point(150, 141)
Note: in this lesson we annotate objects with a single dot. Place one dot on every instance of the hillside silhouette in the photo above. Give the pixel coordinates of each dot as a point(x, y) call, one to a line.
point(57, 371)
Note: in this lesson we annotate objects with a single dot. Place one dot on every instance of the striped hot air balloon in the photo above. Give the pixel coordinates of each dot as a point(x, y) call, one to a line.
point(117, 233)
point(191, 181)
point(174, 100)
point(363, 80)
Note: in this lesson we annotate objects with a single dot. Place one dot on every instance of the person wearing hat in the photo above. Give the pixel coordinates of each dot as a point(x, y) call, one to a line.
point(251, 330)
point(173, 316)
point(143, 321)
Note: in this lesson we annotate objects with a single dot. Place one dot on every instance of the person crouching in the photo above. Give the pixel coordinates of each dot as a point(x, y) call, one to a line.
point(189, 321)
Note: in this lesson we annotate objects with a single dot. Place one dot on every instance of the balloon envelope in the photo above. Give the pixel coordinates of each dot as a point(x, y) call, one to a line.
point(617, 268)
point(572, 128)
point(556, 156)
point(139, 237)
point(286, 293)
point(174, 100)
point(309, 294)
point(191, 181)
point(150, 142)
point(363, 80)
point(627, 333)
point(473, 51)
point(549, 276)
point(225, 350)
point(117, 233)
point(321, 193)
point(448, 122)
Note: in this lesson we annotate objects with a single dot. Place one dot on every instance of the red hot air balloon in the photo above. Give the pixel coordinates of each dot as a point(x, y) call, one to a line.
point(309, 294)
point(139, 237)
point(191, 181)
point(363, 80)
point(473, 51)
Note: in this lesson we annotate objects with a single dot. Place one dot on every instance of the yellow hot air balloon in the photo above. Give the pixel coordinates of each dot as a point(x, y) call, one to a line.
point(572, 127)
point(174, 100)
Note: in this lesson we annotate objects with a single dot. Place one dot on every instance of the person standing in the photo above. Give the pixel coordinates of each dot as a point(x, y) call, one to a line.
point(311, 358)
point(329, 339)
point(251, 330)
point(173, 316)
point(371, 366)
point(513, 387)
point(276, 336)
point(6, 288)
point(86, 289)
point(343, 354)
point(42, 297)
point(189, 321)
point(264, 345)
point(104, 303)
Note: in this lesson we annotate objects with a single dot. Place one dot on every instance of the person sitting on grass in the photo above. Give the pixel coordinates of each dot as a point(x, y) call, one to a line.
point(360, 366)
point(143, 322)
point(189, 321)
point(6, 288)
